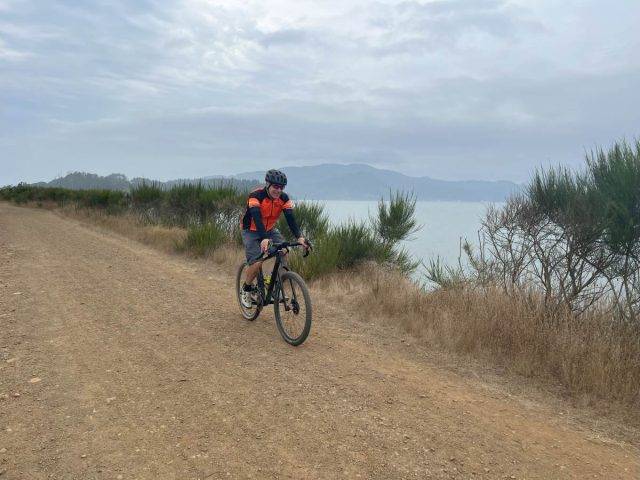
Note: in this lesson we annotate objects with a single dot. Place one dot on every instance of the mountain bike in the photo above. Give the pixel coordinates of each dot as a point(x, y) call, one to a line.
point(284, 289)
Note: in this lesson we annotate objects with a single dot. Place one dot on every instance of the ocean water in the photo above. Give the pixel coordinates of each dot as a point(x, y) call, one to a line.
point(443, 224)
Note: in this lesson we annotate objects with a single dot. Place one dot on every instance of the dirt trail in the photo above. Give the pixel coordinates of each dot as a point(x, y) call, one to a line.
point(117, 361)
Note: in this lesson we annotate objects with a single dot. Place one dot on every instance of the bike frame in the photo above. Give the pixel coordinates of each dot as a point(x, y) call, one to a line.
point(279, 251)
point(267, 298)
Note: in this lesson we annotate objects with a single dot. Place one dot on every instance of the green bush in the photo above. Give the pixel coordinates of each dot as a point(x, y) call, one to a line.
point(346, 246)
point(573, 237)
point(181, 205)
point(323, 260)
point(203, 239)
point(614, 179)
point(111, 201)
point(396, 219)
point(196, 202)
point(310, 217)
point(146, 194)
point(60, 195)
point(23, 193)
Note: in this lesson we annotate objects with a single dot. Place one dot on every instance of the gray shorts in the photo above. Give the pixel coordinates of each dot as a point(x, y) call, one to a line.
point(251, 241)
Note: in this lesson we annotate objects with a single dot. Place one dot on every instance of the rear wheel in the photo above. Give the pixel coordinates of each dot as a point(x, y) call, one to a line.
point(293, 308)
point(248, 313)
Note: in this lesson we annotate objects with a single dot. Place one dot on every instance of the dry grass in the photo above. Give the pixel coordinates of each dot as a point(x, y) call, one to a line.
point(227, 257)
point(592, 357)
point(166, 239)
point(160, 237)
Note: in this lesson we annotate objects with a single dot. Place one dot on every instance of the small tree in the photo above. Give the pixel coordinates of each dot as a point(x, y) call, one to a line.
point(396, 219)
point(573, 236)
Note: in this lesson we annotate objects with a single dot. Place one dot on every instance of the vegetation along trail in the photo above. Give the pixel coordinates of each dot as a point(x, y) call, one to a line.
point(118, 361)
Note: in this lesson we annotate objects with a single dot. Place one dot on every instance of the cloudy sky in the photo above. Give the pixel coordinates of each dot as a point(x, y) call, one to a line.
point(453, 89)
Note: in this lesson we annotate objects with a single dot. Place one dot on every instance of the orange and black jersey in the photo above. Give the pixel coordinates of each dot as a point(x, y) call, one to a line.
point(262, 212)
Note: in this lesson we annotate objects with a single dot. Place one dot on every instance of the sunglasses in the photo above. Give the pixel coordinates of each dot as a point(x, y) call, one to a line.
point(277, 187)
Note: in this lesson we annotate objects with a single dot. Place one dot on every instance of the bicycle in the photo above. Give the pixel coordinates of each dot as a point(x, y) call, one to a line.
point(284, 289)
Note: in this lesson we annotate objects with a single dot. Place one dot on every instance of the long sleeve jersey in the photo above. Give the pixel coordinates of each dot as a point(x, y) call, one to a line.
point(262, 213)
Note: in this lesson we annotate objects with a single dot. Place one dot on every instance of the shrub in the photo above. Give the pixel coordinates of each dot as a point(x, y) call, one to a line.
point(396, 219)
point(345, 246)
point(310, 217)
point(23, 193)
point(111, 201)
point(203, 239)
point(196, 202)
point(572, 237)
point(145, 194)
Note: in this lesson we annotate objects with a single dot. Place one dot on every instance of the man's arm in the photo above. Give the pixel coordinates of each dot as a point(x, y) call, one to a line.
point(260, 230)
point(256, 215)
point(288, 215)
point(291, 221)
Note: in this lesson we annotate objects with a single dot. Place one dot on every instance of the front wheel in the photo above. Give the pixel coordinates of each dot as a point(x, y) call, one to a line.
point(292, 308)
point(248, 313)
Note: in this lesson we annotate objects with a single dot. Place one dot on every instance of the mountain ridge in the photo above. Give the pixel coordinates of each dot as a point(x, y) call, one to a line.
point(324, 182)
point(364, 182)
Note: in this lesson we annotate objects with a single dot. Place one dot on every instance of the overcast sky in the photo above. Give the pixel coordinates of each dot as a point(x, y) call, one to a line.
point(453, 89)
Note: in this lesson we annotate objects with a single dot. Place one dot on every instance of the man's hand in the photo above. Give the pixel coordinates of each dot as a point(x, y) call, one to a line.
point(302, 241)
point(264, 245)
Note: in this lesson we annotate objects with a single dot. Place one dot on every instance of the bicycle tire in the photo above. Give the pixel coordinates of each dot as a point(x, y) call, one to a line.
point(248, 313)
point(299, 292)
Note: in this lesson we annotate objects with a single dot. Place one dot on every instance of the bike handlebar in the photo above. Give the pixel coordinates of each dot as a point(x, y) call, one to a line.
point(276, 247)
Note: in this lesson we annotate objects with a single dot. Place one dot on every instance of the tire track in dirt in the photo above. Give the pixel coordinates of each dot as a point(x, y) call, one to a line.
point(148, 371)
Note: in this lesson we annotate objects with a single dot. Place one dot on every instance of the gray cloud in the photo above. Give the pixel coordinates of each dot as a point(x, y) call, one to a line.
point(453, 17)
point(452, 89)
point(285, 37)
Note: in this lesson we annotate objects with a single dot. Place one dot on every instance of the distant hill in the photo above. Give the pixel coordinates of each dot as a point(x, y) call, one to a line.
point(87, 181)
point(363, 182)
point(322, 182)
point(118, 181)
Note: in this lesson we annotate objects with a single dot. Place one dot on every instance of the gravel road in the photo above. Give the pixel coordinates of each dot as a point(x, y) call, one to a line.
point(121, 362)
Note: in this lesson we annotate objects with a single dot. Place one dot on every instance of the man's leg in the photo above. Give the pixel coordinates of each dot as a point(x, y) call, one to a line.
point(252, 272)
point(251, 242)
point(252, 245)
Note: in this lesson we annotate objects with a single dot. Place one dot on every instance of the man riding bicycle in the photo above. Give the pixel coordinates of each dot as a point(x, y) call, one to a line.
point(264, 206)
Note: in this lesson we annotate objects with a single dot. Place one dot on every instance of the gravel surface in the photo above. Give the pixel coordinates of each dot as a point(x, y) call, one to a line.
point(120, 362)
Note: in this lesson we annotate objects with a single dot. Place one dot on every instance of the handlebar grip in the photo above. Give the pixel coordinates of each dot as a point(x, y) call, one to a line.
point(273, 248)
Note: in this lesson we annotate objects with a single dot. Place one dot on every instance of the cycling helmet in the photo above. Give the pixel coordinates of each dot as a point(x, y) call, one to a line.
point(276, 176)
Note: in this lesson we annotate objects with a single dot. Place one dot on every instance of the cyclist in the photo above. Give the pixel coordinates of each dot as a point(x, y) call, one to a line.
point(264, 206)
